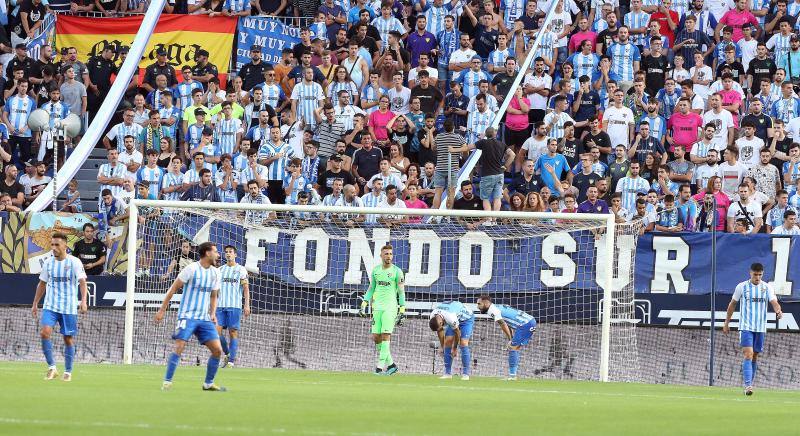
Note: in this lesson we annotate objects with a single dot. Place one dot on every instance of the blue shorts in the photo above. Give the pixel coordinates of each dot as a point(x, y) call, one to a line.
point(440, 178)
point(204, 330)
point(491, 187)
point(523, 333)
point(67, 323)
point(229, 317)
point(752, 339)
point(465, 327)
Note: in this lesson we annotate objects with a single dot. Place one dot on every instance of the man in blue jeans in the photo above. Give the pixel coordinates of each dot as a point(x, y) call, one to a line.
point(495, 159)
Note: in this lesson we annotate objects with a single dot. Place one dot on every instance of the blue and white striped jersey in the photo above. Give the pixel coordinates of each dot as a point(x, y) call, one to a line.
point(453, 312)
point(622, 58)
point(470, 80)
point(636, 20)
point(629, 187)
point(253, 217)
point(318, 30)
point(786, 109)
point(370, 95)
point(198, 284)
point(658, 126)
point(169, 180)
point(194, 133)
point(782, 230)
point(497, 58)
point(258, 133)
point(775, 216)
point(225, 134)
point(298, 186)
point(62, 278)
point(793, 9)
point(371, 200)
point(386, 25)
point(700, 148)
point(681, 7)
point(512, 9)
point(557, 121)
point(667, 102)
point(753, 305)
point(272, 94)
point(152, 176)
point(106, 170)
point(309, 97)
point(546, 46)
point(513, 317)
point(248, 174)
point(182, 93)
point(120, 131)
point(57, 111)
point(236, 6)
point(477, 122)
point(335, 87)
point(167, 113)
point(584, 65)
point(435, 17)
point(154, 98)
point(192, 175)
point(391, 179)
point(448, 43)
point(233, 278)
point(277, 169)
point(779, 44)
point(18, 109)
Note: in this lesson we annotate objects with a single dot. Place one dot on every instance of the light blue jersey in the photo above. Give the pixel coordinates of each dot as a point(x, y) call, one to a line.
point(636, 20)
point(277, 169)
point(169, 180)
point(775, 216)
point(153, 177)
point(386, 25)
point(515, 318)
point(629, 187)
point(753, 305)
point(371, 200)
point(454, 313)
point(62, 278)
point(58, 111)
point(225, 134)
point(785, 109)
point(232, 278)
point(622, 58)
point(198, 284)
point(667, 102)
point(435, 17)
point(448, 43)
point(470, 79)
point(584, 65)
point(18, 109)
point(512, 9)
point(477, 122)
point(658, 126)
point(309, 97)
point(172, 112)
point(370, 95)
point(497, 58)
point(272, 94)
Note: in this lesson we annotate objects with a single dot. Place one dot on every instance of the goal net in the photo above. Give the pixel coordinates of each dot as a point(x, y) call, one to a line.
point(308, 270)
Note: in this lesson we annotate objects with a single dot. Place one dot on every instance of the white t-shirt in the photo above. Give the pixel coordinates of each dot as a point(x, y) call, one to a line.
point(732, 176)
point(557, 25)
point(294, 137)
point(535, 148)
point(703, 173)
point(412, 75)
point(538, 101)
point(793, 129)
point(752, 210)
point(722, 122)
point(398, 100)
point(460, 56)
point(749, 150)
point(618, 121)
point(748, 51)
point(704, 74)
point(125, 159)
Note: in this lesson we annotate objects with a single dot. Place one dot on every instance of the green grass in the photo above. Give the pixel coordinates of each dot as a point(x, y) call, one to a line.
point(115, 399)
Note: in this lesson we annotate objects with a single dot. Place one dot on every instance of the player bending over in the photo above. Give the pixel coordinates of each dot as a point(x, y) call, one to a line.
point(509, 318)
point(61, 277)
point(229, 312)
point(752, 296)
point(459, 321)
point(197, 313)
point(386, 291)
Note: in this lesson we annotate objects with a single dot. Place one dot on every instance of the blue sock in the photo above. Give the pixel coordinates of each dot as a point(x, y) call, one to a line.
point(513, 362)
point(234, 348)
point(69, 356)
point(448, 361)
point(465, 360)
point(211, 369)
point(224, 342)
point(755, 367)
point(47, 349)
point(172, 365)
point(747, 372)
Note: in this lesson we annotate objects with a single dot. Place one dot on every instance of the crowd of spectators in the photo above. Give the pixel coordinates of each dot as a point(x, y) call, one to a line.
point(680, 114)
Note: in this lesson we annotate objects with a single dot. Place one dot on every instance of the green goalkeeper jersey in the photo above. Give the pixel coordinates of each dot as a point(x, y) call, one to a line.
point(385, 288)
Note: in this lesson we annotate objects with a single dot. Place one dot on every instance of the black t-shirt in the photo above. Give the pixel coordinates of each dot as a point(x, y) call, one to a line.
point(426, 154)
point(90, 252)
point(368, 162)
point(583, 182)
point(326, 179)
point(782, 146)
point(100, 71)
point(519, 184)
point(737, 70)
point(572, 150)
point(402, 138)
point(429, 98)
point(466, 26)
point(588, 105)
point(299, 49)
point(762, 122)
point(760, 69)
point(606, 38)
point(492, 158)
point(601, 140)
point(35, 13)
point(655, 69)
point(485, 41)
point(12, 190)
point(252, 74)
point(503, 83)
point(474, 203)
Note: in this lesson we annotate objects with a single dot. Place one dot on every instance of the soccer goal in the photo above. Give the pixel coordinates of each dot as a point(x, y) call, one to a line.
point(308, 269)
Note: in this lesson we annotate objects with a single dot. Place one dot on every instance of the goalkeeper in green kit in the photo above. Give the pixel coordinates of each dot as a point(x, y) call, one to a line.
point(387, 294)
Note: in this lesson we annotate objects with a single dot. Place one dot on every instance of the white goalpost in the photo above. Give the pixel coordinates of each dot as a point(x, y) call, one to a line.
point(308, 269)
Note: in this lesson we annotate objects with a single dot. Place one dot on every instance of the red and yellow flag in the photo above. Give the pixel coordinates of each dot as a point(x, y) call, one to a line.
point(181, 35)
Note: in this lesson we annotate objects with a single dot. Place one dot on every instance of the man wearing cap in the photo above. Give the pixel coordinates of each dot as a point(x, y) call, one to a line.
point(160, 66)
point(100, 69)
point(326, 179)
point(204, 70)
point(252, 72)
point(20, 58)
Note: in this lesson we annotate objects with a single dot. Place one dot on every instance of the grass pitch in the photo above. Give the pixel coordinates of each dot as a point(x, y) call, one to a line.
point(115, 399)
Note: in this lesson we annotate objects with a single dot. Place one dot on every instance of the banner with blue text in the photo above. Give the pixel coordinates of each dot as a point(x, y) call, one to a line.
point(269, 34)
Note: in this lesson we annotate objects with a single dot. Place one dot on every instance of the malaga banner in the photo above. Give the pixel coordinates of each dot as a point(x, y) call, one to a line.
point(181, 35)
point(268, 33)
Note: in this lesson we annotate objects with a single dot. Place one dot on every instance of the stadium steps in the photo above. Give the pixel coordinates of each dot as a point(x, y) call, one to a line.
point(87, 180)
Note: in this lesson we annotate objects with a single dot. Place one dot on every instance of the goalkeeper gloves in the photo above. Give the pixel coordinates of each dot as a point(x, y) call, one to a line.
point(363, 310)
point(401, 315)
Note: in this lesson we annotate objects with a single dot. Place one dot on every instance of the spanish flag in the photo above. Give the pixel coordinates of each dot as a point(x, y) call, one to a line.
point(180, 35)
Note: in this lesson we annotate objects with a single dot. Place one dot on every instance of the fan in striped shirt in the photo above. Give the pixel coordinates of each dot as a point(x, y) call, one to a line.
point(752, 296)
point(307, 96)
point(374, 198)
point(61, 278)
point(255, 196)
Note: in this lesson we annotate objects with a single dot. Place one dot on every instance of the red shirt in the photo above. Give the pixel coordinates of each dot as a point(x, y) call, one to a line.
point(665, 30)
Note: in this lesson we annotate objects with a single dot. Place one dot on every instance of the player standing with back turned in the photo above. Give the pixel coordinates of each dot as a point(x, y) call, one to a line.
point(753, 296)
point(61, 277)
point(386, 291)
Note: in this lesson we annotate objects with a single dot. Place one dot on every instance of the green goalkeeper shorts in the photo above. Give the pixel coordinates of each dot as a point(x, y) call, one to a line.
point(383, 321)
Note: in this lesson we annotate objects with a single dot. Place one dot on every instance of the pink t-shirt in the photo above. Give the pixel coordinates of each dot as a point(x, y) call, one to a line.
point(684, 129)
point(736, 19)
point(576, 39)
point(729, 97)
point(418, 204)
point(723, 203)
point(517, 122)
point(378, 122)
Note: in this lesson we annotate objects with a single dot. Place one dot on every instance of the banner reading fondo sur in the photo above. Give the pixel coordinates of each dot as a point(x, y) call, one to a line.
point(181, 35)
point(269, 34)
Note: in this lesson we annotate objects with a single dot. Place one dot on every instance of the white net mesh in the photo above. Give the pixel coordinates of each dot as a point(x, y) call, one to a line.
point(308, 272)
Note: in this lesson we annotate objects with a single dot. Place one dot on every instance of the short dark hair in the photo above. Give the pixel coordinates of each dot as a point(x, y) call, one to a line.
point(89, 225)
point(204, 249)
point(59, 235)
point(231, 247)
point(434, 323)
point(756, 267)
